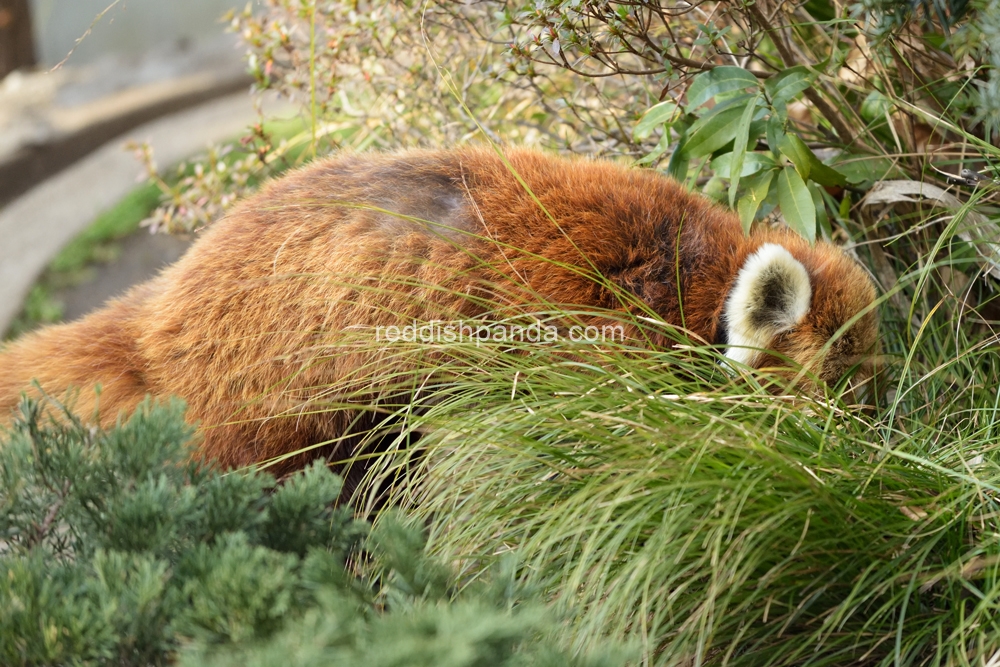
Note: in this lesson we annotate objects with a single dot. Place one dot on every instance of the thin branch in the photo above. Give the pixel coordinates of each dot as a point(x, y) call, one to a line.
point(41, 531)
point(87, 32)
point(844, 132)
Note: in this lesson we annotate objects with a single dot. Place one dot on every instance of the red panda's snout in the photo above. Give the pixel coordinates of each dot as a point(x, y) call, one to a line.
point(812, 306)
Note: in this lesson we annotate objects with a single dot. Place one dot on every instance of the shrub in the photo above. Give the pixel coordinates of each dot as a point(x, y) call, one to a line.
point(117, 549)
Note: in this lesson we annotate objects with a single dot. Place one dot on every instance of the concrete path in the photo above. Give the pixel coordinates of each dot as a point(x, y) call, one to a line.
point(49, 120)
point(35, 226)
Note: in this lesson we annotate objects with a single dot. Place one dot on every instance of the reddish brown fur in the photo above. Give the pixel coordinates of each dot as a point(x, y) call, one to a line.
point(243, 316)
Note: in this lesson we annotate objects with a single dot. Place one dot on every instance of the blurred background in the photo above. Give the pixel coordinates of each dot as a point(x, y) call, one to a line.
point(58, 58)
point(79, 81)
point(134, 28)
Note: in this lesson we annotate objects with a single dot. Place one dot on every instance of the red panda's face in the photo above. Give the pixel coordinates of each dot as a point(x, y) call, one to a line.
point(810, 305)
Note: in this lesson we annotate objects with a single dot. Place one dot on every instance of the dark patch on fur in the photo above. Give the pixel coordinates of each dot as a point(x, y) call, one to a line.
point(773, 299)
point(721, 335)
point(411, 196)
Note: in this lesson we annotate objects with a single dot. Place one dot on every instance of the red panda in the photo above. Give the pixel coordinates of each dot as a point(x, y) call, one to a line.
point(385, 239)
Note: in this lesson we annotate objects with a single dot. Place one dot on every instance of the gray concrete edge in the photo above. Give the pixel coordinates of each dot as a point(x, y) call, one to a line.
point(36, 225)
point(105, 119)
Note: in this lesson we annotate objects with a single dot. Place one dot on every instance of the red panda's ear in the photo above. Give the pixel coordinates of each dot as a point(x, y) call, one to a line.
point(771, 295)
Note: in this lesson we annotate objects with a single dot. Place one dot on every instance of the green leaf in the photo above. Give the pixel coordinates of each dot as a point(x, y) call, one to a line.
point(757, 127)
point(740, 147)
point(782, 88)
point(875, 106)
point(796, 150)
point(824, 175)
point(660, 148)
point(718, 127)
point(677, 167)
point(796, 203)
point(717, 131)
point(807, 164)
point(822, 219)
point(718, 80)
point(735, 101)
point(857, 169)
point(750, 202)
point(715, 189)
point(845, 206)
point(752, 163)
point(775, 131)
point(655, 116)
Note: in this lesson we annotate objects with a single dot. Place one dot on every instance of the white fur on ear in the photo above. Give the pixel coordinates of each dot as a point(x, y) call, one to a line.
point(771, 295)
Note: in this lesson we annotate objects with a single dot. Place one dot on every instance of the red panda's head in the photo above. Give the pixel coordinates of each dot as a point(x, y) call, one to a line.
point(812, 305)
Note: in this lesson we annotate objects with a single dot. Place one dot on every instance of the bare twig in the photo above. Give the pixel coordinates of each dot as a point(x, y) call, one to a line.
point(85, 34)
point(42, 531)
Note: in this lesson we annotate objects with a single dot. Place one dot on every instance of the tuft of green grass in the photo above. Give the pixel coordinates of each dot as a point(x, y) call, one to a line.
point(716, 522)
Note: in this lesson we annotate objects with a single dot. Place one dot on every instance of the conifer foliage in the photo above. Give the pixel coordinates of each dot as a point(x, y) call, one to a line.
point(117, 549)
